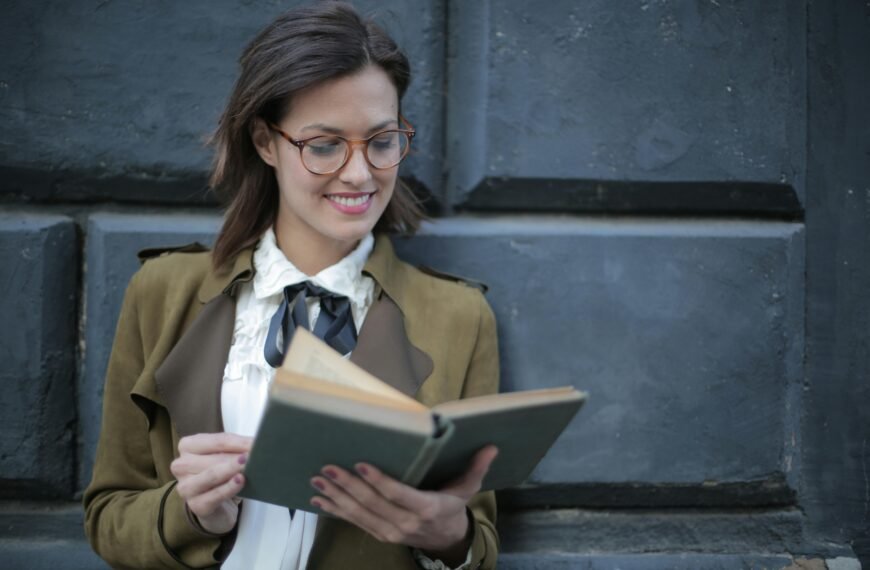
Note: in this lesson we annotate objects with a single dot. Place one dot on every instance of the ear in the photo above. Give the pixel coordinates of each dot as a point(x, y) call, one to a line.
point(264, 142)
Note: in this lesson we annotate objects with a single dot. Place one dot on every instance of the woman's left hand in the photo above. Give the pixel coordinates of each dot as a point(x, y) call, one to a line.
point(432, 521)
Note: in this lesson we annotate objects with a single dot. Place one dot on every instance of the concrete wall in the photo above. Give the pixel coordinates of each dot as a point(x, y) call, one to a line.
point(39, 257)
point(600, 105)
point(669, 201)
point(835, 423)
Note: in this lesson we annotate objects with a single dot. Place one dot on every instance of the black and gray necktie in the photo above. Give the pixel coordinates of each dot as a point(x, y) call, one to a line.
point(334, 325)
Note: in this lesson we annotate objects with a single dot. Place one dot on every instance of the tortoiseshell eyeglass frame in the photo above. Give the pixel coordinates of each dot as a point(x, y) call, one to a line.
point(408, 131)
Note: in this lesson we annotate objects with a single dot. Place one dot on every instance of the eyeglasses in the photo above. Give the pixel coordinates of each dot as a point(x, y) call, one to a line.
point(326, 154)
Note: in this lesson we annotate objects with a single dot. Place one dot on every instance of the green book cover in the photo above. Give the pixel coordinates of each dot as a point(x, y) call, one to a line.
point(323, 410)
point(522, 429)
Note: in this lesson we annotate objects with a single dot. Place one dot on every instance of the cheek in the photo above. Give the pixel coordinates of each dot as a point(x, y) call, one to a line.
point(300, 184)
point(387, 182)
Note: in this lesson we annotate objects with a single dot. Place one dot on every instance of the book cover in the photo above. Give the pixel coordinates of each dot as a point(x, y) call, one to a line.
point(323, 409)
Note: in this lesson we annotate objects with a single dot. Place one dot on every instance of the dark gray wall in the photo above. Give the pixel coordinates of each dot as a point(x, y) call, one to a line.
point(836, 422)
point(603, 105)
point(114, 100)
point(718, 298)
point(39, 261)
point(669, 201)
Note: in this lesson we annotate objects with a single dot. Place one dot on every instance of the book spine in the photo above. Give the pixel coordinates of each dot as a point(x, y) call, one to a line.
point(443, 431)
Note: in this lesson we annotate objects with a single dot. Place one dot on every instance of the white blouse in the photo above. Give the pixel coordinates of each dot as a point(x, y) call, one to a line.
point(267, 536)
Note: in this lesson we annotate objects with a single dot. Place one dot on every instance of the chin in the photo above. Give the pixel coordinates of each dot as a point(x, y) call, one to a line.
point(347, 229)
point(352, 234)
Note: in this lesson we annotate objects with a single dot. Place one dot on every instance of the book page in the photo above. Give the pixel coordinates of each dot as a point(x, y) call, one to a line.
point(310, 356)
point(364, 403)
point(509, 401)
point(349, 403)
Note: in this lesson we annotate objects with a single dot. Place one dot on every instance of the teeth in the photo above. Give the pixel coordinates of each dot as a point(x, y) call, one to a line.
point(359, 201)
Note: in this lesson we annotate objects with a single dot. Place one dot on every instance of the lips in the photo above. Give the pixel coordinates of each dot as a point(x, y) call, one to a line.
point(355, 203)
point(356, 200)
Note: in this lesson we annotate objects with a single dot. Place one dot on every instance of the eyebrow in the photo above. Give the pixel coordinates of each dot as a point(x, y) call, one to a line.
point(335, 131)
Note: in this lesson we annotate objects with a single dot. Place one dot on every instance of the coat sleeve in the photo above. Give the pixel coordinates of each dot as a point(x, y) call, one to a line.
point(133, 519)
point(482, 378)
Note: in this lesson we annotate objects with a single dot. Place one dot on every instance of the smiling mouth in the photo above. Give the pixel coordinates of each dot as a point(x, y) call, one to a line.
point(350, 202)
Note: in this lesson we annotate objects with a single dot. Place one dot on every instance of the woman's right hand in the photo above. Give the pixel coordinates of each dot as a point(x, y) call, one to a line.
point(209, 473)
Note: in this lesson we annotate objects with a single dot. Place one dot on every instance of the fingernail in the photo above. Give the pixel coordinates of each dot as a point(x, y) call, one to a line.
point(316, 503)
point(361, 469)
point(237, 479)
point(331, 473)
point(318, 485)
point(243, 459)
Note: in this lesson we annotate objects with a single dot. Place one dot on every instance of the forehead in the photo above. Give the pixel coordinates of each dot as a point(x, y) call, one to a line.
point(348, 103)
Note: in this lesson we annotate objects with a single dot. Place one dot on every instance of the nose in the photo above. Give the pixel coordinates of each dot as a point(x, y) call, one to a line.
point(356, 171)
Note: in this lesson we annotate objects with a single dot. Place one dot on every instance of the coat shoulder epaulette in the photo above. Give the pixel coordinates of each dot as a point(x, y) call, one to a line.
point(153, 252)
point(483, 287)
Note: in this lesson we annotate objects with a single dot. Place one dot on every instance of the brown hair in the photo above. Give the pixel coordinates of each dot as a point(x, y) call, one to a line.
point(302, 47)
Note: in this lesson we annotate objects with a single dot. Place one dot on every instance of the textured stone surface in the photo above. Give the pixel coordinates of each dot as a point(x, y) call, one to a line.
point(114, 99)
point(76, 555)
point(836, 440)
point(843, 563)
point(551, 561)
point(687, 336)
point(578, 97)
point(38, 269)
point(45, 536)
point(112, 243)
point(35, 554)
point(636, 531)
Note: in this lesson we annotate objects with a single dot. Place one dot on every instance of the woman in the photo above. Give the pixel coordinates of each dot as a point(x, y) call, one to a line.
point(307, 152)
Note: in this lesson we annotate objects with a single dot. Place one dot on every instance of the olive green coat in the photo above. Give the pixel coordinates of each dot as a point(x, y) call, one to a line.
point(428, 336)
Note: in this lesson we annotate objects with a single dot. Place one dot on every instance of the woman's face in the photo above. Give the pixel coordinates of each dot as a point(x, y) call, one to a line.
point(332, 211)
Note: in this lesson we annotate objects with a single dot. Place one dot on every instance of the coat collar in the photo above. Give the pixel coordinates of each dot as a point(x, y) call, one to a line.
point(190, 377)
point(385, 268)
point(382, 265)
point(225, 279)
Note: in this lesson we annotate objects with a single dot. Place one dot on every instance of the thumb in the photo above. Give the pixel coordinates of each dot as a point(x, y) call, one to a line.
point(467, 484)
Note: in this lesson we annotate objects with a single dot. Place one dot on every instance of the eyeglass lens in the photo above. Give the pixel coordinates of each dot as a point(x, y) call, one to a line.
point(328, 153)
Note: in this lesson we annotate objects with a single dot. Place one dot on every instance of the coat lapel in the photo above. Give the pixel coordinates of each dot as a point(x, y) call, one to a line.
point(384, 350)
point(190, 378)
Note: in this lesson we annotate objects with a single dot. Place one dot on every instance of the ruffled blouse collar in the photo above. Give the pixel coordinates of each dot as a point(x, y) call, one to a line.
point(274, 272)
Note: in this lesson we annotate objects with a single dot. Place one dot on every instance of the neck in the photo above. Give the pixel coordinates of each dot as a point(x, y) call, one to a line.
point(311, 255)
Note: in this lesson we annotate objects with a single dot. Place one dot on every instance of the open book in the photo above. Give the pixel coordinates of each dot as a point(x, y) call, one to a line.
point(323, 409)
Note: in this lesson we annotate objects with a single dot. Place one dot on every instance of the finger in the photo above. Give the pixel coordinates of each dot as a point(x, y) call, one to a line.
point(396, 492)
point(337, 502)
point(467, 484)
point(371, 498)
point(203, 443)
point(194, 485)
point(191, 464)
point(207, 503)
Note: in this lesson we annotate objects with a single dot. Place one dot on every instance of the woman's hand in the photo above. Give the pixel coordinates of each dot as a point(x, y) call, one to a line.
point(433, 521)
point(209, 472)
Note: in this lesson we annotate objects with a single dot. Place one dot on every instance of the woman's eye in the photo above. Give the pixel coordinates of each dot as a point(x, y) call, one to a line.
point(383, 142)
point(324, 147)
